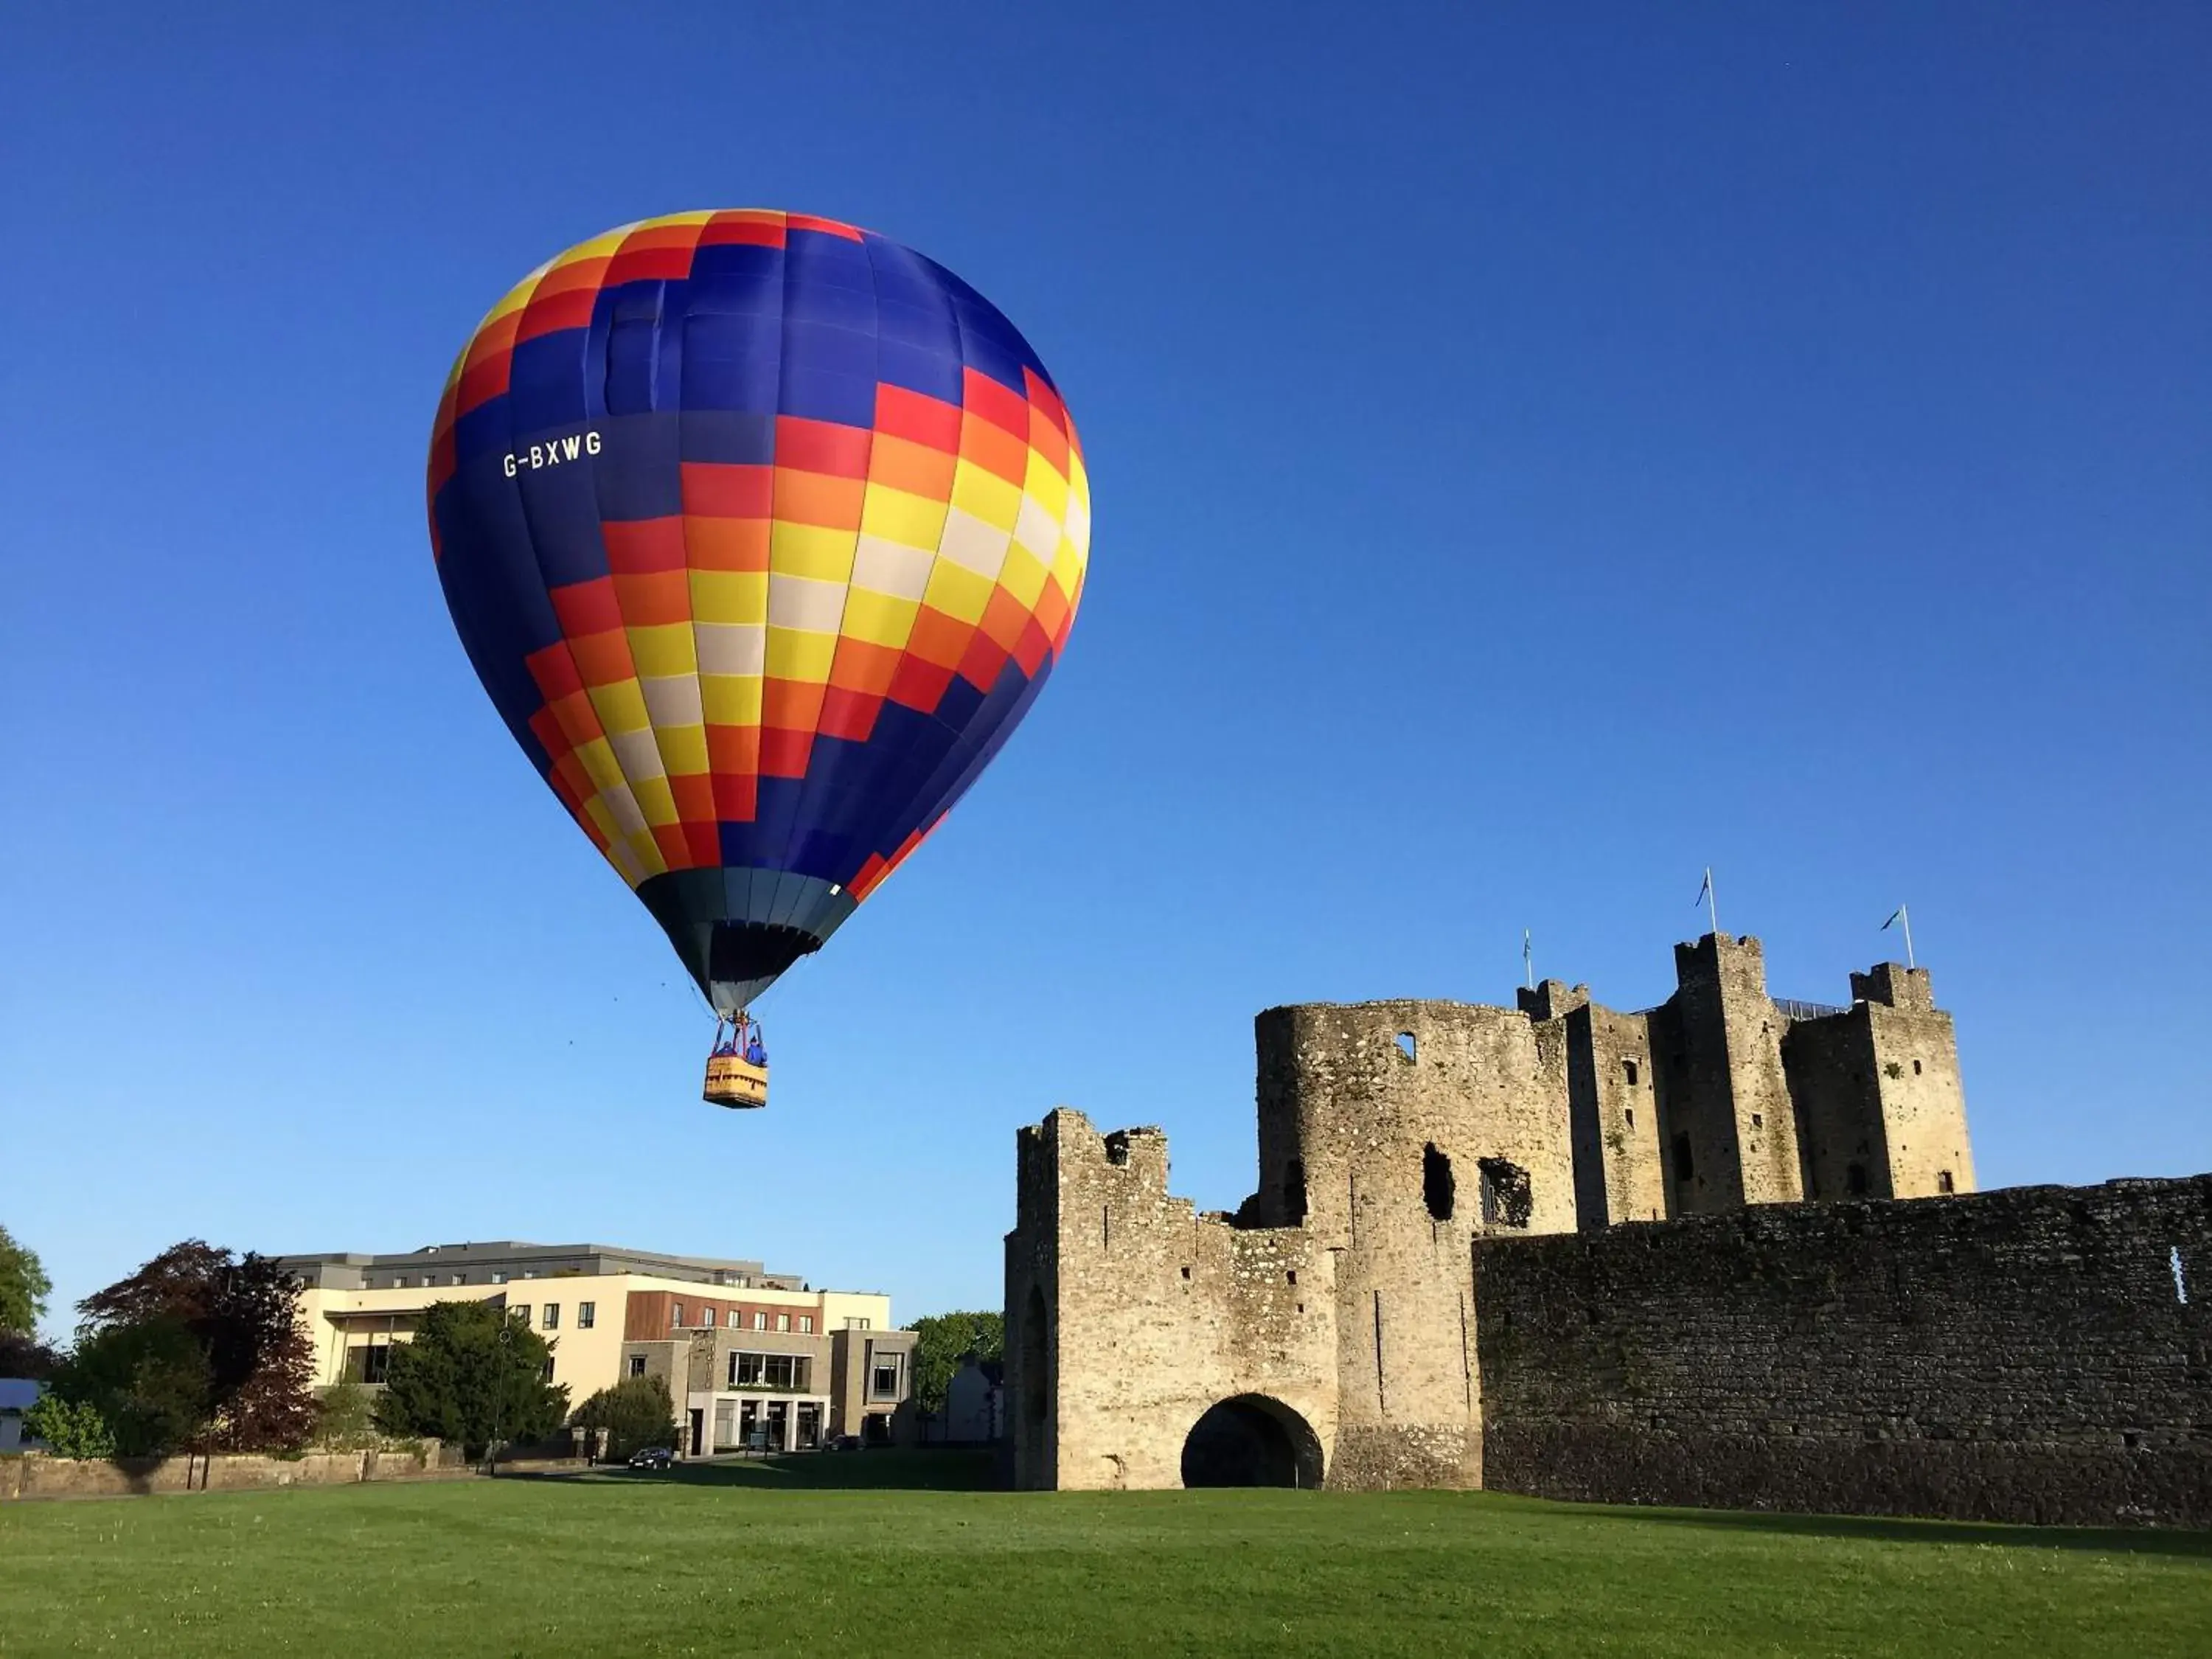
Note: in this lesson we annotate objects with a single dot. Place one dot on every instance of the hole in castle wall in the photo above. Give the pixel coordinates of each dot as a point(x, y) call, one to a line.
point(1628, 1068)
point(1294, 1193)
point(1855, 1180)
point(1405, 1044)
point(2180, 1280)
point(1507, 1200)
point(1916, 1068)
point(1436, 1183)
point(1943, 1183)
point(1117, 1149)
point(1684, 1165)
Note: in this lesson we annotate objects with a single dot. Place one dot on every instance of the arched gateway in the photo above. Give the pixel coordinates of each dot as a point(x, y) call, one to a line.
point(1251, 1440)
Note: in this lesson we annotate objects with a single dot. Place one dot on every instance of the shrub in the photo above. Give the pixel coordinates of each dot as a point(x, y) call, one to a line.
point(636, 1411)
point(70, 1428)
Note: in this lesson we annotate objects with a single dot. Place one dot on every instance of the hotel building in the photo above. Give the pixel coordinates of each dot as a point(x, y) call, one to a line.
point(754, 1359)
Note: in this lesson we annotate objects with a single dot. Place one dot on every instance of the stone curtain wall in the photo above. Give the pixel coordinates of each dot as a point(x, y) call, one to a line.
point(37, 1476)
point(2020, 1355)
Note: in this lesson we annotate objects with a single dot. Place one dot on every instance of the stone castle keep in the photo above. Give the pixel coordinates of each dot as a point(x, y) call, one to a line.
point(1456, 1206)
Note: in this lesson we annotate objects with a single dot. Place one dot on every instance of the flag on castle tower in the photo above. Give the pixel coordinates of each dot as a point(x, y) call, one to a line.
point(1894, 915)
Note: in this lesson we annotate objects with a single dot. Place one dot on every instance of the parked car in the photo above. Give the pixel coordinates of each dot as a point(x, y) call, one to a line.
point(652, 1457)
point(841, 1442)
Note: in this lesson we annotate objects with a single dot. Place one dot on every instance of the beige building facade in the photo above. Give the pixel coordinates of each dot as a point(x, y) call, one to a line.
point(755, 1360)
point(1325, 1333)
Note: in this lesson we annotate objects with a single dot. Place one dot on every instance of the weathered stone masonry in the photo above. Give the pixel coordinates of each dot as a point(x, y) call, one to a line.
point(2022, 1355)
point(1349, 1323)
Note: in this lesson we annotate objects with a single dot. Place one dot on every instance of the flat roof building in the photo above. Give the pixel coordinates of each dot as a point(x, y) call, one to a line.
point(754, 1359)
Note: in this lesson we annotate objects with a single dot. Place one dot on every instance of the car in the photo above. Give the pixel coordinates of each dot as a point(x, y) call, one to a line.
point(652, 1457)
point(841, 1442)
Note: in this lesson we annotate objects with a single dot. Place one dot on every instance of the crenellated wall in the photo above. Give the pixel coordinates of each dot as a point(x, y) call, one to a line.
point(1170, 1312)
point(1333, 1318)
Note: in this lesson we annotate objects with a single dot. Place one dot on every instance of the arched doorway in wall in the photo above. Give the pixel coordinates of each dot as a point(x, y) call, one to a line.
point(1251, 1440)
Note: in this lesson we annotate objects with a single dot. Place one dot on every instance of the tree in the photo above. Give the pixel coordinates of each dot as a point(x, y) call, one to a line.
point(242, 1312)
point(69, 1428)
point(23, 1287)
point(636, 1411)
point(150, 1382)
point(475, 1376)
point(943, 1342)
point(346, 1421)
point(23, 1355)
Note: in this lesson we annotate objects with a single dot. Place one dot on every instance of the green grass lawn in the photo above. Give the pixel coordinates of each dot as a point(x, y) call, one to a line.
point(835, 1555)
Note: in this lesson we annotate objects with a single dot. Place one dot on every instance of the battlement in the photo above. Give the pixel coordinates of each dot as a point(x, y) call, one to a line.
point(1394, 1137)
point(1895, 986)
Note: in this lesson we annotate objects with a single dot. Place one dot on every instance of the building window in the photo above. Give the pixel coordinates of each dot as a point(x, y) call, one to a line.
point(759, 1319)
point(498, 1278)
point(783, 1322)
point(884, 1382)
point(587, 1312)
point(1916, 1068)
point(637, 1365)
point(786, 1371)
point(1943, 1181)
point(806, 1324)
point(675, 1315)
point(426, 1281)
point(707, 1317)
point(853, 1324)
point(457, 1279)
point(521, 1312)
point(552, 1316)
point(547, 1372)
point(1631, 1115)
point(1628, 1066)
point(376, 1363)
point(1684, 1165)
point(530, 1272)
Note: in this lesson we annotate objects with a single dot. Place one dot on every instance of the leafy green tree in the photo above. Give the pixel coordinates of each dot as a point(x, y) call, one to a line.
point(636, 1411)
point(472, 1376)
point(148, 1382)
point(242, 1313)
point(24, 1287)
point(943, 1340)
point(70, 1428)
point(346, 1423)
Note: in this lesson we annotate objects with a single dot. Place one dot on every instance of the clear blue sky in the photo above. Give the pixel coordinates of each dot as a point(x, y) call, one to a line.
point(1537, 450)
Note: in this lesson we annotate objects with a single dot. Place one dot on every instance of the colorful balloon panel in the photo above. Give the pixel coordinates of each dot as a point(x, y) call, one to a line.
point(762, 532)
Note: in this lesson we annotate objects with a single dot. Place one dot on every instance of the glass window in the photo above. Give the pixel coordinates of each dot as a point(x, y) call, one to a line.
point(637, 1365)
point(707, 1317)
point(783, 1322)
point(759, 1319)
point(587, 1312)
point(521, 1311)
point(674, 1314)
point(457, 1279)
point(376, 1363)
point(552, 1321)
point(853, 1324)
point(885, 1383)
point(498, 1278)
point(806, 1324)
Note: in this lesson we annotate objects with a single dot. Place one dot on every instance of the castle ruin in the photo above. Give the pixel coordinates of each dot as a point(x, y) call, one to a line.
point(1334, 1330)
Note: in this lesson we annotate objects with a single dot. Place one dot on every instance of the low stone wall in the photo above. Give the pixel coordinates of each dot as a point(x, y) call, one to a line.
point(2034, 1354)
point(39, 1475)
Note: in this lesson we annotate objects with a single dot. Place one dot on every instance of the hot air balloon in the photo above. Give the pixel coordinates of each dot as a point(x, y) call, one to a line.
point(762, 532)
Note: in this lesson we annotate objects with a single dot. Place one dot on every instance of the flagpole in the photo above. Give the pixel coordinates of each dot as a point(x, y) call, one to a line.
point(1712, 902)
point(1904, 916)
point(1527, 959)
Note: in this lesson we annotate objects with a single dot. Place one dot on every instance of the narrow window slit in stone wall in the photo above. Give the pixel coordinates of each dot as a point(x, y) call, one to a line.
point(1628, 1066)
point(1685, 1166)
point(1294, 1193)
point(2181, 1279)
point(1943, 1181)
point(1405, 1046)
point(1437, 1187)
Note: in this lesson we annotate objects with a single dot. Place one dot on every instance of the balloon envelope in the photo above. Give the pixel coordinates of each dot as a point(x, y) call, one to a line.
point(762, 532)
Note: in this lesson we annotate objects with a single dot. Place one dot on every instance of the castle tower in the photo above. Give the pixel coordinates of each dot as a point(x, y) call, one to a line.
point(1731, 1134)
point(1878, 1092)
point(1395, 1133)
